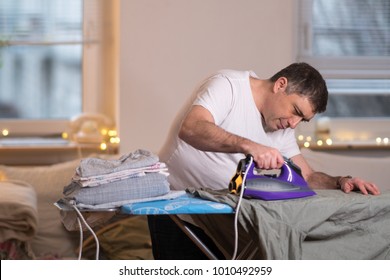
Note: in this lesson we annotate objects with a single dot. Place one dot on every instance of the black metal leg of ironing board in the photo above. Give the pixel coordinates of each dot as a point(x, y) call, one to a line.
point(248, 252)
point(193, 237)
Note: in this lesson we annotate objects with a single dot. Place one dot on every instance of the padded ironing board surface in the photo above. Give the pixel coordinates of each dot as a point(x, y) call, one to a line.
point(185, 204)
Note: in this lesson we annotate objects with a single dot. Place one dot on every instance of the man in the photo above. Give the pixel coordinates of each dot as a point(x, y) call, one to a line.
point(235, 113)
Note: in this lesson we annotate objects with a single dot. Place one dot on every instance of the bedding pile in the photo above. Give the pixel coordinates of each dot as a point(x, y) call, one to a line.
point(18, 211)
point(109, 183)
point(18, 219)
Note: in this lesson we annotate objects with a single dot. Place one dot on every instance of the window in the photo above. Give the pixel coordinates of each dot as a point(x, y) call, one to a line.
point(349, 42)
point(41, 59)
point(54, 55)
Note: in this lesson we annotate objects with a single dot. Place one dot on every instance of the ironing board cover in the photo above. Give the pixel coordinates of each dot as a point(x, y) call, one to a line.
point(185, 204)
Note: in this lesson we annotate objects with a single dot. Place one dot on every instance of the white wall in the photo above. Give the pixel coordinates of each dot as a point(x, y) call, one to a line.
point(167, 46)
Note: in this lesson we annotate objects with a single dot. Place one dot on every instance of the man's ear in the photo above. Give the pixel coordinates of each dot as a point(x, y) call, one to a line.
point(280, 85)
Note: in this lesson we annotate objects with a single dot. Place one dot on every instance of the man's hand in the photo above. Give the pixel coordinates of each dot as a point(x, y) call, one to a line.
point(350, 184)
point(320, 180)
point(266, 157)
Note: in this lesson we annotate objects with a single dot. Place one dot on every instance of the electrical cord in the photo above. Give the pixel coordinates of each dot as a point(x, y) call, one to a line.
point(80, 216)
point(81, 238)
point(238, 209)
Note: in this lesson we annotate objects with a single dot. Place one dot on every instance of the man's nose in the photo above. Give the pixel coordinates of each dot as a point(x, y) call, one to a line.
point(294, 121)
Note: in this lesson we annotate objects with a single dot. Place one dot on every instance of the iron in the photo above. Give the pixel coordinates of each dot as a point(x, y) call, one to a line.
point(277, 184)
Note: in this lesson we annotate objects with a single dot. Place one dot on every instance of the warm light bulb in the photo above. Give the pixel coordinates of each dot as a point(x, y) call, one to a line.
point(5, 132)
point(112, 133)
point(329, 141)
point(114, 140)
point(386, 140)
point(378, 140)
point(64, 135)
point(300, 137)
point(104, 131)
point(306, 144)
point(319, 142)
point(308, 138)
point(103, 146)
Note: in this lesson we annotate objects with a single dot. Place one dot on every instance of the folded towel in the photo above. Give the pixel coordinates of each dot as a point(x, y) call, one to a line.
point(18, 211)
point(98, 180)
point(96, 166)
point(147, 186)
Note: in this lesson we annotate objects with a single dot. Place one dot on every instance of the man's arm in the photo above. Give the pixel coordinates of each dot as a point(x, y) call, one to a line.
point(200, 131)
point(320, 180)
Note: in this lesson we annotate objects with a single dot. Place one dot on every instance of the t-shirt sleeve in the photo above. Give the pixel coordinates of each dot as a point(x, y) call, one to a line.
point(216, 95)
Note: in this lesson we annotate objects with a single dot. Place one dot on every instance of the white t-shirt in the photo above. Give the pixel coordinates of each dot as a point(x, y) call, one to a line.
point(228, 97)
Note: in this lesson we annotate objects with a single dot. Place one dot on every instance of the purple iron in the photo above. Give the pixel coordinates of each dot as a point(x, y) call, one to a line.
point(277, 184)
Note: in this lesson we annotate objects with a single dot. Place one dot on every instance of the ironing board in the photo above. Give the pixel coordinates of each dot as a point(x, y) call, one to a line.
point(186, 205)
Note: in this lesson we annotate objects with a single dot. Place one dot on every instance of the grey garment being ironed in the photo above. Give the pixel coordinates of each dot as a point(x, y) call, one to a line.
point(96, 166)
point(330, 225)
point(150, 185)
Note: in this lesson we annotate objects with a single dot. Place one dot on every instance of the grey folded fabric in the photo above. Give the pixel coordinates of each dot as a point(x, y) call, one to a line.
point(150, 185)
point(18, 211)
point(96, 166)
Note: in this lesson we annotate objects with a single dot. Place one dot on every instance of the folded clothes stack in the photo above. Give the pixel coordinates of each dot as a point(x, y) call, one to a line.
point(107, 183)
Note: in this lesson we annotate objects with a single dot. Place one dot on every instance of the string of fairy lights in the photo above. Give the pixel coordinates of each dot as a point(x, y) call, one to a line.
point(310, 141)
point(320, 136)
point(109, 137)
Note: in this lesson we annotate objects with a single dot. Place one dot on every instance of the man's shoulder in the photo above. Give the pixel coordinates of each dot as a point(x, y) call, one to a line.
point(225, 77)
point(233, 74)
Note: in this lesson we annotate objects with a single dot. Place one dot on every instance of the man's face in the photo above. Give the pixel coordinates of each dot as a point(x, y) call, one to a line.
point(286, 110)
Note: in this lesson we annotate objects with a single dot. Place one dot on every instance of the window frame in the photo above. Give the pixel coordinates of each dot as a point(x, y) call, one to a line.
point(336, 67)
point(353, 130)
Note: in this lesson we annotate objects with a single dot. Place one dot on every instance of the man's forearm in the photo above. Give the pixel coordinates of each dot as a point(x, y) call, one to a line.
point(199, 130)
point(207, 136)
point(319, 180)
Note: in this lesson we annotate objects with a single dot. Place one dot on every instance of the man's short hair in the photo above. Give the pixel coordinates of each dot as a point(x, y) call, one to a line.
point(304, 79)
